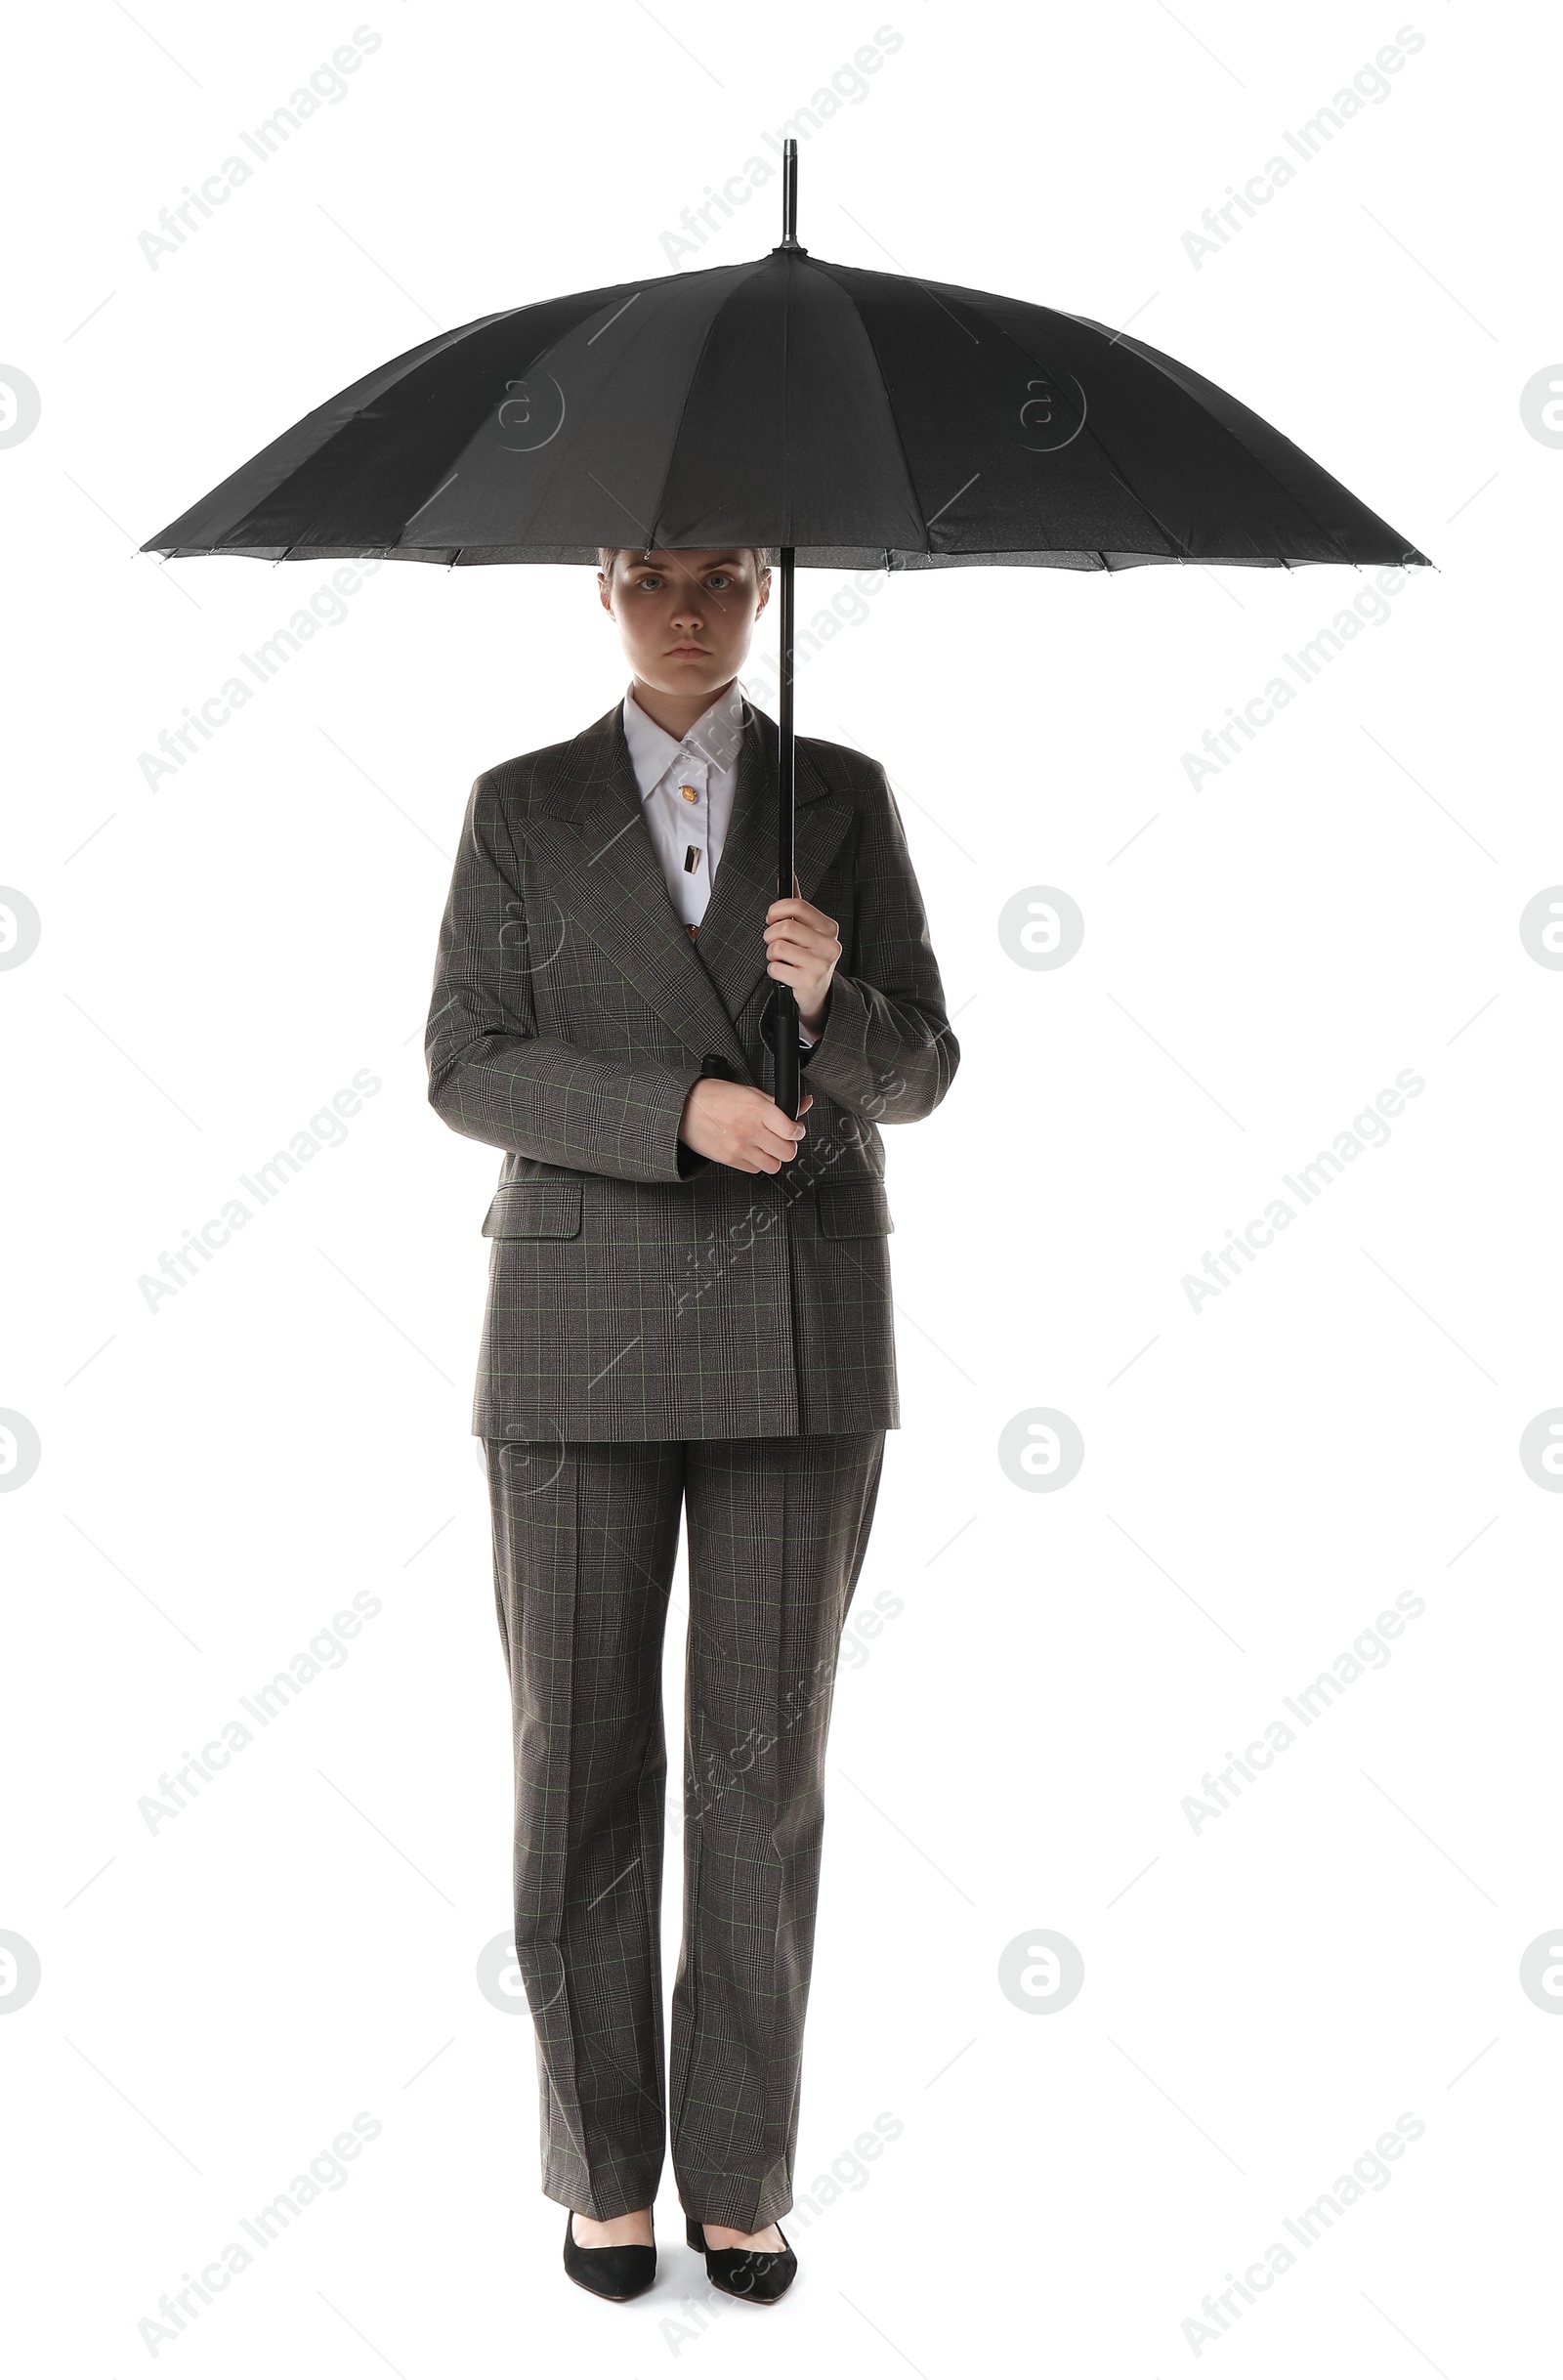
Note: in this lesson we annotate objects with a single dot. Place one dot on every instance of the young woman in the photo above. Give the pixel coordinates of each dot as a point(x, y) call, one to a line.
point(689, 1312)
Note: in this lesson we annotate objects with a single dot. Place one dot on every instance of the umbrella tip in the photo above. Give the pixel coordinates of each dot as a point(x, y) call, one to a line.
point(789, 193)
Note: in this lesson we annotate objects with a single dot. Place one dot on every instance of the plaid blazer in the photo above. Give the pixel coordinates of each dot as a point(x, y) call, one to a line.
point(635, 1289)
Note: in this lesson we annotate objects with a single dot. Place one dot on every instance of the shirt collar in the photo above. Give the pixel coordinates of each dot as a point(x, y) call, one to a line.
point(712, 742)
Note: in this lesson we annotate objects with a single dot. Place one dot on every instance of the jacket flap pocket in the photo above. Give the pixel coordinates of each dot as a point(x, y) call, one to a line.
point(534, 1210)
point(853, 1210)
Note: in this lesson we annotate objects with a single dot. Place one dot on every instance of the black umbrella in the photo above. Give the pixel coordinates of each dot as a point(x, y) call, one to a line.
point(852, 419)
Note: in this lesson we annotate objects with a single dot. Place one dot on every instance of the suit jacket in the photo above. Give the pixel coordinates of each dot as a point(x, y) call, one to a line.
point(637, 1289)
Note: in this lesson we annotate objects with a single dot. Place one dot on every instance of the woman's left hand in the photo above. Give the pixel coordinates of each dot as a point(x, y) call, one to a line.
point(803, 951)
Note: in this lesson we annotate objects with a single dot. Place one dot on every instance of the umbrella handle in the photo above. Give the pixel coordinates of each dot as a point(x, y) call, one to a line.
point(785, 1050)
point(784, 1010)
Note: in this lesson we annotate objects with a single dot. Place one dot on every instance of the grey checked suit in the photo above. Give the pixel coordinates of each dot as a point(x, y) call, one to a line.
point(637, 1291)
point(663, 1336)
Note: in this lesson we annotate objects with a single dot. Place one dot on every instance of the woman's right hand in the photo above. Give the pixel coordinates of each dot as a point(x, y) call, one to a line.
point(739, 1126)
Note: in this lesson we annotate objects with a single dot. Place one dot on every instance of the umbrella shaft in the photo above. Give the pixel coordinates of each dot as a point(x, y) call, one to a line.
point(784, 1014)
point(785, 758)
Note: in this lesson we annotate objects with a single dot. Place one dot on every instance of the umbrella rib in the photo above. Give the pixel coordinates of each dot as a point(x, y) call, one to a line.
point(1180, 551)
point(469, 433)
point(678, 430)
point(884, 390)
point(1148, 355)
point(429, 351)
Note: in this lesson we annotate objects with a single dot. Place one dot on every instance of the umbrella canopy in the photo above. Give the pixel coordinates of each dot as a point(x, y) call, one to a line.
point(851, 419)
point(859, 419)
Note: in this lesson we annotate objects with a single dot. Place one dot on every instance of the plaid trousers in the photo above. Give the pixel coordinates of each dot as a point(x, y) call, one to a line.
point(585, 1536)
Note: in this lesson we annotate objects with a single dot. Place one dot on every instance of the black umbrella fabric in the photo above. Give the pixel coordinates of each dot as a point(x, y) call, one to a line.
point(863, 420)
point(851, 419)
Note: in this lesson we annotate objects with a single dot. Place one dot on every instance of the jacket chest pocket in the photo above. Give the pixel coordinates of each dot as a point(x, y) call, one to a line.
point(535, 1210)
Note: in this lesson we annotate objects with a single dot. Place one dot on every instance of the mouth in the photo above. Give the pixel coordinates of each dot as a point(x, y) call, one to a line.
point(688, 652)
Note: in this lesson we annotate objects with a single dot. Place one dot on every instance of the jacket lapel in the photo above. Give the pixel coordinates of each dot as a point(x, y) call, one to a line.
point(589, 826)
point(732, 936)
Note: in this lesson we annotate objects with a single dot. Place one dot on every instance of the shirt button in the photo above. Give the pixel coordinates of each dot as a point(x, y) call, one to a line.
point(689, 793)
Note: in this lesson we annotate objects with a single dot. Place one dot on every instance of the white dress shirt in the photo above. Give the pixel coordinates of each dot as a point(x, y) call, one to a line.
point(687, 792)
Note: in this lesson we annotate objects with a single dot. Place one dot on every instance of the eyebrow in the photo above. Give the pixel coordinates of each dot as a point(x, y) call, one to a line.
point(639, 563)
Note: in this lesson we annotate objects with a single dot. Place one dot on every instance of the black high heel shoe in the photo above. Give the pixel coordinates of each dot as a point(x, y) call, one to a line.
point(757, 2275)
point(613, 2273)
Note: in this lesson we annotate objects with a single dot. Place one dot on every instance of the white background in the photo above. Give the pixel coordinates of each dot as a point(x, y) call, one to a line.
point(1262, 956)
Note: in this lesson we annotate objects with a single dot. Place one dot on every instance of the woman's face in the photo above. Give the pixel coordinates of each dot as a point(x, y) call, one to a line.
point(686, 617)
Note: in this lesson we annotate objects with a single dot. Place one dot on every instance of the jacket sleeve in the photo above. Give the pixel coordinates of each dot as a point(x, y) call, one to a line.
point(887, 1050)
point(493, 1077)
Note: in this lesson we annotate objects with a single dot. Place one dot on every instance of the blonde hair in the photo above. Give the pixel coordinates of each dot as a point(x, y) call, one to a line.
point(608, 555)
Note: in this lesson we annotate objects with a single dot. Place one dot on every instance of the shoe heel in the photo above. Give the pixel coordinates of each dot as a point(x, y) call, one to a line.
point(695, 2234)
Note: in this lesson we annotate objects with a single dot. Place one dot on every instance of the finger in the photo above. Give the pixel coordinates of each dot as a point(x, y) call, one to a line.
point(798, 934)
point(798, 954)
point(782, 1135)
point(799, 971)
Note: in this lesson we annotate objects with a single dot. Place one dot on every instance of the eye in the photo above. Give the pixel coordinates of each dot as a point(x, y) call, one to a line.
point(649, 584)
point(719, 578)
